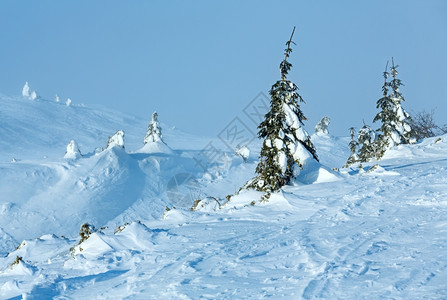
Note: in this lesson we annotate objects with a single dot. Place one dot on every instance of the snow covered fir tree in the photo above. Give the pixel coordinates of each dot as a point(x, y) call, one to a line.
point(287, 146)
point(367, 144)
point(395, 122)
point(353, 144)
point(117, 140)
point(153, 133)
point(153, 140)
point(322, 126)
point(26, 92)
point(395, 128)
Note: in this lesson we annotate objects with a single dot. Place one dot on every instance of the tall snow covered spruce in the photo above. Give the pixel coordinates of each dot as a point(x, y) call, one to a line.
point(395, 128)
point(287, 146)
point(153, 133)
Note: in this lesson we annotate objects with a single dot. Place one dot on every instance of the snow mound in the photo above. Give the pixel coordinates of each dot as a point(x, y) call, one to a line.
point(40, 250)
point(378, 170)
point(21, 268)
point(155, 147)
point(126, 238)
point(317, 173)
point(7, 242)
point(332, 151)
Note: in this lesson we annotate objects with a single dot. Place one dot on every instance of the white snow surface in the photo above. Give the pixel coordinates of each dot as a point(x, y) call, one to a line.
point(155, 147)
point(376, 234)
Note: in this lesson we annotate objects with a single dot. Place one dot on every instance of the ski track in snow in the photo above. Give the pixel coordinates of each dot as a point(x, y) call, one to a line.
point(370, 235)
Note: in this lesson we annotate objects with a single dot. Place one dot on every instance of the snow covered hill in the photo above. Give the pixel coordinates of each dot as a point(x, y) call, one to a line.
point(374, 233)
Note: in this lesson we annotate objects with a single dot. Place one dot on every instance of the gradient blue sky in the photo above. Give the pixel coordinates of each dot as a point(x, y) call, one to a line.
point(199, 63)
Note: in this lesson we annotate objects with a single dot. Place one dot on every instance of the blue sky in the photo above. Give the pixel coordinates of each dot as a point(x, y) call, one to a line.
point(199, 63)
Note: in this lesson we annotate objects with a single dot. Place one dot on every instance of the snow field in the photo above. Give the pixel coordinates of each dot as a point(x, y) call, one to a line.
point(374, 233)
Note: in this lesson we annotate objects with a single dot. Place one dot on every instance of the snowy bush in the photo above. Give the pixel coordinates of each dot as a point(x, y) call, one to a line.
point(16, 262)
point(25, 90)
point(33, 96)
point(424, 125)
point(208, 204)
point(368, 147)
point(120, 228)
point(322, 125)
point(117, 140)
point(72, 151)
point(85, 232)
point(68, 102)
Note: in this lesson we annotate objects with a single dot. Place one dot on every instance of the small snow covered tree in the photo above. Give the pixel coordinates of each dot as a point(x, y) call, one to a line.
point(25, 90)
point(287, 146)
point(72, 151)
point(153, 133)
point(367, 144)
point(322, 125)
point(395, 128)
point(117, 140)
point(353, 144)
point(33, 96)
point(56, 98)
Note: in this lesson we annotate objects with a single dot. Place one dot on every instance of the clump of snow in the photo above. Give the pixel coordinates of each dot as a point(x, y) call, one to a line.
point(56, 98)
point(243, 152)
point(72, 151)
point(68, 102)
